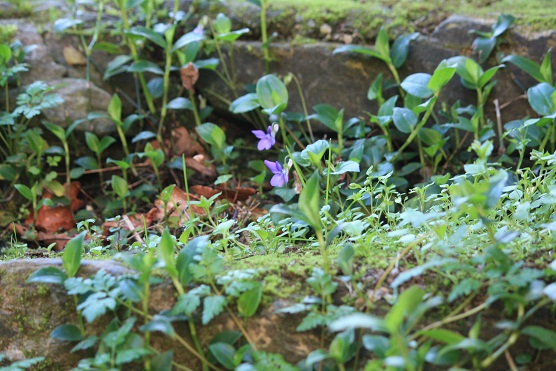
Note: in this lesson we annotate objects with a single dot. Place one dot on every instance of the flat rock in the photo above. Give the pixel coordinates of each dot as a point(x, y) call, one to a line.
point(80, 98)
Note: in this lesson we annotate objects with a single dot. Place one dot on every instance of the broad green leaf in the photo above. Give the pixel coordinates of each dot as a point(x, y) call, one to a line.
point(347, 167)
point(405, 306)
point(71, 259)
point(187, 39)
point(488, 75)
point(546, 68)
point(526, 65)
point(417, 85)
point(212, 134)
point(271, 92)
point(249, 301)
point(375, 91)
point(120, 186)
point(5, 54)
point(58, 131)
point(92, 142)
point(161, 324)
point(309, 202)
point(48, 275)
point(315, 151)
point(163, 361)
point(441, 76)
point(62, 24)
point(443, 335)
point(155, 86)
point(327, 115)
point(540, 98)
point(145, 66)
point(346, 258)
point(222, 24)
point(245, 103)
point(149, 34)
point(502, 24)
point(400, 49)
point(25, 191)
point(365, 50)
point(224, 354)
point(180, 103)
point(483, 47)
point(342, 347)
point(382, 45)
point(115, 108)
point(67, 333)
point(166, 253)
point(187, 257)
point(357, 320)
point(404, 119)
point(376, 344)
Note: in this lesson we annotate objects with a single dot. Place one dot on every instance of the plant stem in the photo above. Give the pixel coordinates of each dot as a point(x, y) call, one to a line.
point(264, 38)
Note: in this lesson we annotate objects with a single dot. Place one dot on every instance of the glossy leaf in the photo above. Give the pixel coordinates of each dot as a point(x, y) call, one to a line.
point(248, 302)
point(180, 103)
point(404, 119)
point(245, 103)
point(400, 49)
point(541, 99)
point(526, 65)
point(48, 275)
point(309, 202)
point(67, 333)
point(71, 259)
point(149, 34)
point(224, 354)
point(417, 85)
point(271, 92)
point(212, 134)
point(166, 253)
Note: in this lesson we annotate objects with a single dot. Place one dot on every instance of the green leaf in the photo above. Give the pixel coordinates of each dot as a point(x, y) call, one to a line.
point(145, 66)
point(483, 47)
point(166, 253)
point(546, 68)
point(309, 202)
point(58, 131)
point(161, 324)
point(115, 108)
point(406, 304)
point(92, 142)
point(540, 99)
point(120, 186)
point(25, 191)
point(377, 344)
point(404, 119)
point(212, 306)
point(347, 167)
point(382, 45)
point(222, 24)
point(527, 65)
point(224, 354)
point(67, 333)
point(342, 346)
point(488, 75)
point(187, 257)
point(346, 258)
point(357, 320)
point(186, 39)
point(441, 76)
point(544, 338)
point(271, 92)
point(71, 259)
point(248, 302)
point(329, 116)
point(443, 335)
point(149, 34)
point(502, 24)
point(245, 103)
point(84, 344)
point(365, 50)
point(400, 49)
point(163, 361)
point(212, 134)
point(48, 275)
point(417, 85)
point(62, 24)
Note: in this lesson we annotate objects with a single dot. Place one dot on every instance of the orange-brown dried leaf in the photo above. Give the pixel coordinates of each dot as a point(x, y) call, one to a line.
point(189, 75)
point(185, 143)
point(199, 165)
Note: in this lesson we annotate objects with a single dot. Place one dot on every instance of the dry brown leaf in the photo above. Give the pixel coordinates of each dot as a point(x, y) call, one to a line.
point(207, 170)
point(232, 195)
point(189, 75)
point(74, 57)
point(185, 144)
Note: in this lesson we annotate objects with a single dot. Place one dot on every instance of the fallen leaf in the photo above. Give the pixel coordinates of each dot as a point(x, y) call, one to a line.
point(185, 144)
point(206, 169)
point(232, 195)
point(189, 75)
point(73, 56)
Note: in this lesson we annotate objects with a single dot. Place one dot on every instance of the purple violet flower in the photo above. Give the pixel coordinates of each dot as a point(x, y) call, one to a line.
point(199, 30)
point(267, 140)
point(280, 174)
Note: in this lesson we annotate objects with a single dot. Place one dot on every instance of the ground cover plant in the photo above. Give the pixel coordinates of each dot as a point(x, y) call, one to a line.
point(413, 209)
